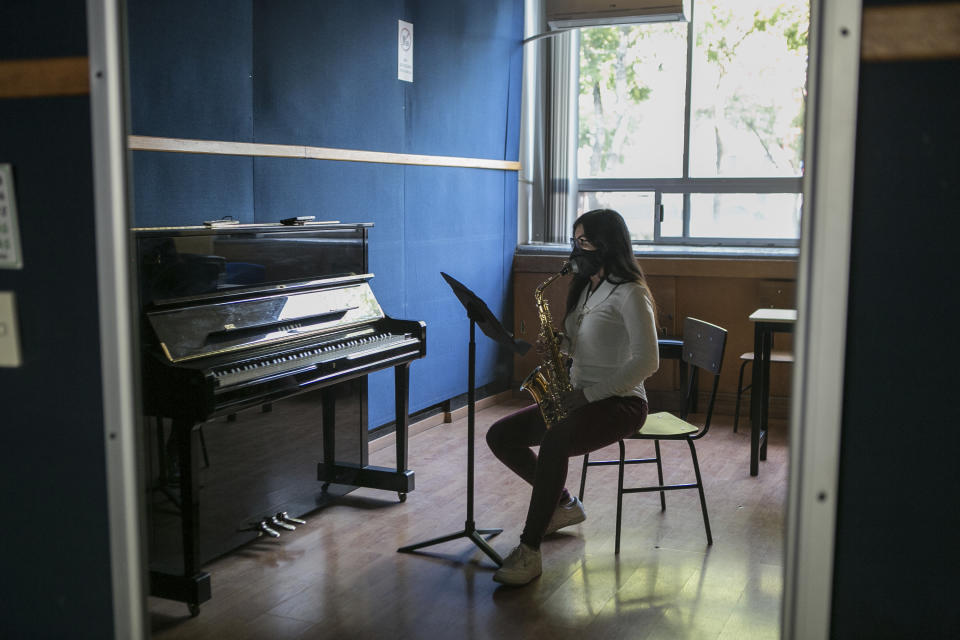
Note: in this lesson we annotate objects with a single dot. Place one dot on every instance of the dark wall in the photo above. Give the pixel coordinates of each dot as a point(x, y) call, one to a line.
point(56, 562)
point(325, 74)
point(896, 560)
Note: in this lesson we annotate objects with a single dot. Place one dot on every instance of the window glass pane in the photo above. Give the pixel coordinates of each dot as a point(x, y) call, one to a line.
point(745, 215)
point(672, 225)
point(635, 207)
point(631, 105)
point(748, 88)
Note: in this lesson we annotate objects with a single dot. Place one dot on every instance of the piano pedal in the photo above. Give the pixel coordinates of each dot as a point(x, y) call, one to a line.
point(267, 529)
point(283, 516)
point(277, 522)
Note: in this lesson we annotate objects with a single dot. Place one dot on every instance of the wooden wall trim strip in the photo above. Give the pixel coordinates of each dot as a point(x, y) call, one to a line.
point(911, 32)
point(705, 267)
point(44, 77)
point(223, 147)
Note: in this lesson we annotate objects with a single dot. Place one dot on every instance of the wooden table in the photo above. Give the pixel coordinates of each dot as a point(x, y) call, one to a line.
point(766, 323)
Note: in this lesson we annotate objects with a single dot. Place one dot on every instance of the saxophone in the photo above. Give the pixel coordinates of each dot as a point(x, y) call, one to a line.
point(549, 381)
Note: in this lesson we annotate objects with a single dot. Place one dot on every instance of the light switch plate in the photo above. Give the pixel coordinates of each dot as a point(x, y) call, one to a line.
point(9, 337)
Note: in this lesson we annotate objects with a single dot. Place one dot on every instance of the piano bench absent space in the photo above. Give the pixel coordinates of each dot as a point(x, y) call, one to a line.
point(747, 358)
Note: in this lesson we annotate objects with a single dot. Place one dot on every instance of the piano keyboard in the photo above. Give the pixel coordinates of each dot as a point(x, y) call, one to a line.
point(350, 348)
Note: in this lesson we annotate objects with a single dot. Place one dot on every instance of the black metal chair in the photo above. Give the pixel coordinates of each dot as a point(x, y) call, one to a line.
point(703, 347)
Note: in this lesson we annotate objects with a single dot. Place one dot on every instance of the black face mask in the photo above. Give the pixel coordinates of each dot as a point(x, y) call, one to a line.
point(585, 263)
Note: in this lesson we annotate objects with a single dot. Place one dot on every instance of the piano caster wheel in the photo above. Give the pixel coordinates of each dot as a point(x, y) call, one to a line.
point(402, 496)
point(326, 485)
point(194, 609)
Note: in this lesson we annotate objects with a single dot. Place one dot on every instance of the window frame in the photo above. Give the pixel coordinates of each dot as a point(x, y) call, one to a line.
point(684, 185)
point(689, 186)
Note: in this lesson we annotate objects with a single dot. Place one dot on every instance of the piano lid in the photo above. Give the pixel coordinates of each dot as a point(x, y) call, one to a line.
point(190, 264)
point(204, 330)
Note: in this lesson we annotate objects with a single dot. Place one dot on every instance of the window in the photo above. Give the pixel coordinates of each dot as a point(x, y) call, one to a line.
point(694, 131)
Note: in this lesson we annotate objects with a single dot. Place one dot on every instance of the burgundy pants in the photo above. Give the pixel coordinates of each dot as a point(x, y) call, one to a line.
point(589, 428)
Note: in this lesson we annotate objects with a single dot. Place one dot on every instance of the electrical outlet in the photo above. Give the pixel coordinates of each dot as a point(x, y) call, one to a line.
point(9, 338)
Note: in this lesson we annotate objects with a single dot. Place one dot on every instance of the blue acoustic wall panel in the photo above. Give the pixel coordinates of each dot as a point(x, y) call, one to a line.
point(47, 28)
point(325, 74)
point(454, 223)
point(465, 97)
point(190, 69)
point(52, 458)
point(173, 189)
point(510, 199)
point(464, 101)
point(190, 77)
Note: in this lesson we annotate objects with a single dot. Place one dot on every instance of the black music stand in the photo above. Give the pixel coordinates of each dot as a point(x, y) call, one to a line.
point(479, 314)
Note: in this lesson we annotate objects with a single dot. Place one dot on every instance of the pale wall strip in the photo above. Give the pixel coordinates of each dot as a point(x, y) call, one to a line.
point(911, 32)
point(44, 77)
point(222, 147)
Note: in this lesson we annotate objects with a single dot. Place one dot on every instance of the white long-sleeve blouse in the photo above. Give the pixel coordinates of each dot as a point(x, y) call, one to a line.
point(612, 338)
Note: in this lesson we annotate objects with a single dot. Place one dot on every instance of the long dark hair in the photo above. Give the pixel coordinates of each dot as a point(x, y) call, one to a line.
point(607, 231)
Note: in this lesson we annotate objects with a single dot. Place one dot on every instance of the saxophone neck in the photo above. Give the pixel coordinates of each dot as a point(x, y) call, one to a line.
point(564, 270)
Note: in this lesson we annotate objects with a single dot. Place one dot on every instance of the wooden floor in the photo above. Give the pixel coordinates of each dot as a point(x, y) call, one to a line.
point(340, 576)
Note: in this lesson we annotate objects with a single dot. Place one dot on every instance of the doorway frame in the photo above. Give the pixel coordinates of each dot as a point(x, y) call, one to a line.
point(106, 28)
point(820, 332)
point(822, 289)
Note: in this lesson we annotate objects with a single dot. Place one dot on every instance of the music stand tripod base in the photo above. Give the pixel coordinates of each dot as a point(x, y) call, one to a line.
point(469, 531)
point(479, 313)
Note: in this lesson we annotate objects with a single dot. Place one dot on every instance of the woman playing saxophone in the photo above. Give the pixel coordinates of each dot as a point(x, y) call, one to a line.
point(610, 333)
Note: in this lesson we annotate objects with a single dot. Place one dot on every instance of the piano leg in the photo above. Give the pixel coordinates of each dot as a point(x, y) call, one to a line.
point(398, 479)
point(193, 587)
point(401, 381)
point(163, 472)
point(328, 398)
point(203, 448)
point(189, 503)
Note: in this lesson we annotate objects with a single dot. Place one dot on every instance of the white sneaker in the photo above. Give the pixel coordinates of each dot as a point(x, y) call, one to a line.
point(520, 567)
point(566, 515)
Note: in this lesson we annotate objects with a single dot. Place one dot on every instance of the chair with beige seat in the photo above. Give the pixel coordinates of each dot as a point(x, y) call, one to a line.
point(747, 358)
point(703, 347)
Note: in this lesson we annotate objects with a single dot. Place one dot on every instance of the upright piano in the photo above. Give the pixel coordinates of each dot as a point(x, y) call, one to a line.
point(257, 340)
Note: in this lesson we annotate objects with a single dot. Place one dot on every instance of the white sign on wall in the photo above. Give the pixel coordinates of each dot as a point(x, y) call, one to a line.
point(10, 257)
point(405, 51)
